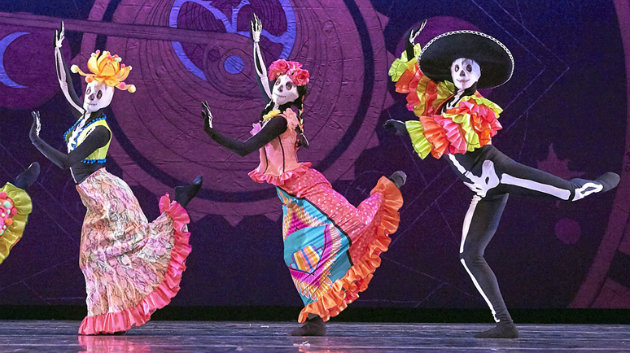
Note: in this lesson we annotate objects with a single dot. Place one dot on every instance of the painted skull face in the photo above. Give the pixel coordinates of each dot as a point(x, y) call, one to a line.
point(284, 91)
point(97, 95)
point(465, 73)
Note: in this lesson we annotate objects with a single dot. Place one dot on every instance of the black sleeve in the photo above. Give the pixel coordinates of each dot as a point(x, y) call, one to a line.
point(71, 90)
point(270, 131)
point(396, 127)
point(96, 139)
point(409, 50)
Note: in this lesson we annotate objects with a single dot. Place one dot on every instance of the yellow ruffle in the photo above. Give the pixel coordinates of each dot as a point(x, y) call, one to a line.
point(271, 114)
point(485, 102)
point(399, 66)
point(418, 140)
point(445, 89)
point(13, 233)
point(470, 135)
point(475, 122)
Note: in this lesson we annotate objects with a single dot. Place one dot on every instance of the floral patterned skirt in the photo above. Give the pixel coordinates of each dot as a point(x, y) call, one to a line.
point(131, 267)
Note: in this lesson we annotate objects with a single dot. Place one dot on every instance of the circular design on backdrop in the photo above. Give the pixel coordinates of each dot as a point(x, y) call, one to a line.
point(20, 87)
point(568, 231)
point(217, 17)
point(158, 129)
point(5, 79)
point(234, 64)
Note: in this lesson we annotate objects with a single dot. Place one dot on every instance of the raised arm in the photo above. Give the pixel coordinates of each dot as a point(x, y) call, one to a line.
point(63, 75)
point(411, 39)
point(259, 63)
point(274, 127)
point(96, 139)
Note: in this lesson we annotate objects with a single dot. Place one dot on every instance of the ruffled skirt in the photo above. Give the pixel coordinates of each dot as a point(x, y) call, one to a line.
point(15, 206)
point(131, 267)
point(331, 247)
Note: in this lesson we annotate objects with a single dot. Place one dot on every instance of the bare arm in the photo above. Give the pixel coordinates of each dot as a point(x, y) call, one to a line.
point(63, 75)
point(259, 63)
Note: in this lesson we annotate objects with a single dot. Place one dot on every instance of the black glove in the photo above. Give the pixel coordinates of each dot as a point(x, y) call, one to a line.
point(396, 127)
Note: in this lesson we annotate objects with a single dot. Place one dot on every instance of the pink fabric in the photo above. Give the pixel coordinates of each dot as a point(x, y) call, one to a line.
point(131, 267)
point(367, 226)
point(457, 143)
point(281, 160)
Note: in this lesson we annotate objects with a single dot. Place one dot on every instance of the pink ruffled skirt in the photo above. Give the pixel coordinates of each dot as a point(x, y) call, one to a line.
point(131, 267)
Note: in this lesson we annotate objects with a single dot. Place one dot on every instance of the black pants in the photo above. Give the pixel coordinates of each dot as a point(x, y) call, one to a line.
point(493, 177)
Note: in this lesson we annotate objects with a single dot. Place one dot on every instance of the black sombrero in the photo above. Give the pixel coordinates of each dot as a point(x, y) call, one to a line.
point(495, 60)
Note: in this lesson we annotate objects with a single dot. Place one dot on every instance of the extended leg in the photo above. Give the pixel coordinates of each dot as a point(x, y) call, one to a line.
point(480, 224)
point(184, 194)
point(516, 178)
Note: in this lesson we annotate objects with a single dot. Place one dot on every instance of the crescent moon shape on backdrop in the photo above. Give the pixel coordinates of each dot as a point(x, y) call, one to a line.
point(4, 43)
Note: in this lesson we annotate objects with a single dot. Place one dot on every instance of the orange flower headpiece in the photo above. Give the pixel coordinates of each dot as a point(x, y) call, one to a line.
point(106, 69)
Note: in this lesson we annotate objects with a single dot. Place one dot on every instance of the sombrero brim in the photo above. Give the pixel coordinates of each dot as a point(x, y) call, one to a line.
point(495, 60)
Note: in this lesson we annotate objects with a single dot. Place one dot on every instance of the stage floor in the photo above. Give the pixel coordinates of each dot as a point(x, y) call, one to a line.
point(176, 336)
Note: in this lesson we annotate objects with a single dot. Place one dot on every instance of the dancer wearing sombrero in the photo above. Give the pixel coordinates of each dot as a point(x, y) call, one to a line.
point(455, 121)
point(131, 266)
point(15, 206)
point(331, 247)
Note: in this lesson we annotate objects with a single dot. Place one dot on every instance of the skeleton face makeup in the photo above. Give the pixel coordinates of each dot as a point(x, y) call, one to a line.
point(97, 96)
point(284, 91)
point(465, 73)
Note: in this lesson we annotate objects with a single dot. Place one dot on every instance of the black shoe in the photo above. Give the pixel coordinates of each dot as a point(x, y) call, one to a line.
point(500, 331)
point(184, 194)
point(28, 177)
point(312, 327)
point(399, 178)
point(608, 180)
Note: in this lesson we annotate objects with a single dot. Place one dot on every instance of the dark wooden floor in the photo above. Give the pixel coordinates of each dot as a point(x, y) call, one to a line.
point(174, 336)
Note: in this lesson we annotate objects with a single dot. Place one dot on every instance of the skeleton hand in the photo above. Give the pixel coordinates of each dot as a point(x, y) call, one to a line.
point(415, 32)
point(59, 36)
point(36, 126)
point(256, 28)
point(207, 116)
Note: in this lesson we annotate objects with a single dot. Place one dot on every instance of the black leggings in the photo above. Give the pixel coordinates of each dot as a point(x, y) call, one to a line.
point(493, 176)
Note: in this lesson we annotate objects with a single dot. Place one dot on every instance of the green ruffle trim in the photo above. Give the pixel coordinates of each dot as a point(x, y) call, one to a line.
point(464, 121)
point(418, 140)
point(470, 135)
point(399, 66)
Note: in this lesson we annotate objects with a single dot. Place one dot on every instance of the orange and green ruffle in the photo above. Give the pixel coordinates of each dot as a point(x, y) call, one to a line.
point(466, 127)
point(424, 96)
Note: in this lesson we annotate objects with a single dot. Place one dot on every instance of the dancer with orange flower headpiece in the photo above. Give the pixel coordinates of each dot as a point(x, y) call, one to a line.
point(131, 267)
point(331, 247)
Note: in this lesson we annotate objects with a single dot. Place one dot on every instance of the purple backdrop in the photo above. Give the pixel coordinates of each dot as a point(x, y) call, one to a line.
point(566, 111)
